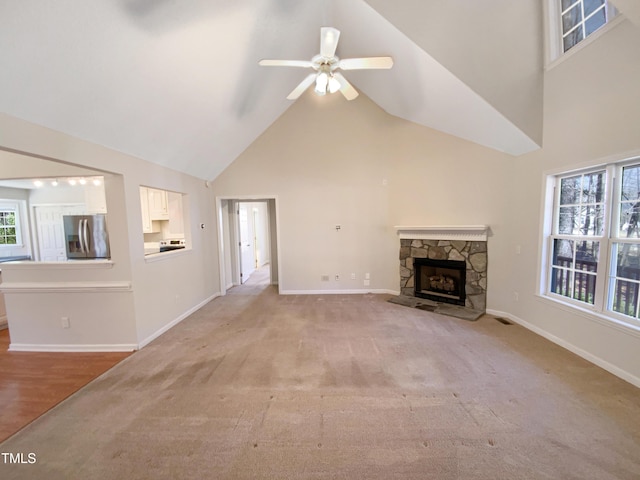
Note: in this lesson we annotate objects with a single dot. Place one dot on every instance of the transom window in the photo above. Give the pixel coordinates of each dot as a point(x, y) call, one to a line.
point(580, 18)
point(572, 21)
point(593, 249)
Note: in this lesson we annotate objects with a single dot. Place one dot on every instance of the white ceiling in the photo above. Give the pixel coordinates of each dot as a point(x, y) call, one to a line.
point(177, 83)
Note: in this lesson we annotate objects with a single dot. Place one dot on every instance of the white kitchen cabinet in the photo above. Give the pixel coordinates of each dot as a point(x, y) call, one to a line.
point(95, 199)
point(147, 224)
point(158, 204)
point(176, 218)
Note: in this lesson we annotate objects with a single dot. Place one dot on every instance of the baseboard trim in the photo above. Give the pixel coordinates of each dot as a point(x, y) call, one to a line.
point(176, 321)
point(363, 291)
point(617, 371)
point(26, 347)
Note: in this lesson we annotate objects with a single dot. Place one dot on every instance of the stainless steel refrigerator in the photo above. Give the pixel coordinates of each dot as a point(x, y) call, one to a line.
point(86, 236)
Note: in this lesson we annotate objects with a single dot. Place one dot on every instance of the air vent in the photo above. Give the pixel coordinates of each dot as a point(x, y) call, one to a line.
point(504, 321)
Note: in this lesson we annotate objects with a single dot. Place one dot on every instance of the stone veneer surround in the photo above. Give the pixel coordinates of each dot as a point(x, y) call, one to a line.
point(474, 253)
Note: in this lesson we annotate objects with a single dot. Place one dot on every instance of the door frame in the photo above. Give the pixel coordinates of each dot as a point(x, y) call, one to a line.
point(228, 238)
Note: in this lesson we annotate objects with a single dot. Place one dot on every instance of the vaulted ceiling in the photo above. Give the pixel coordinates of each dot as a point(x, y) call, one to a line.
point(177, 82)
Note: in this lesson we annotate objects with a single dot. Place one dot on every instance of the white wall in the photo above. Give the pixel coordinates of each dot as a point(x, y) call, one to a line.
point(161, 292)
point(14, 193)
point(499, 59)
point(16, 166)
point(62, 194)
point(332, 162)
point(630, 8)
point(592, 113)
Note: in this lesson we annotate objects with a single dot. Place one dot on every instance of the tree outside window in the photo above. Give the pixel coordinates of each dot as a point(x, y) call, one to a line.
point(8, 232)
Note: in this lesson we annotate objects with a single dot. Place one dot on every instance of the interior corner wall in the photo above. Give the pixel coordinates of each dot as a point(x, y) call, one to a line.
point(505, 68)
point(333, 163)
point(592, 114)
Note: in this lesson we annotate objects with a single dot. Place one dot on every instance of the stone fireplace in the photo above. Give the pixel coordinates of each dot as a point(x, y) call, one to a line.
point(445, 264)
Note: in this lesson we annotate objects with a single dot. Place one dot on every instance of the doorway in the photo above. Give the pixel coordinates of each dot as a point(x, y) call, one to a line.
point(248, 239)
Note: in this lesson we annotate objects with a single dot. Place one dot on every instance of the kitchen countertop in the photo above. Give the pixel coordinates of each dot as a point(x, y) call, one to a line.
point(16, 258)
point(151, 247)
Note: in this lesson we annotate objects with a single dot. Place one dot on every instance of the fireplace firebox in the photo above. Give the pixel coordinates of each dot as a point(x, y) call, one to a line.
point(440, 280)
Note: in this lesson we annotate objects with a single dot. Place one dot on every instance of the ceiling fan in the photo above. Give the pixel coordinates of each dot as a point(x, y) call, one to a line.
point(326, 77)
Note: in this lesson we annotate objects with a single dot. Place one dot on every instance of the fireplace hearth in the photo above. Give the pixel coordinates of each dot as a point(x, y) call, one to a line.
point(440, 280)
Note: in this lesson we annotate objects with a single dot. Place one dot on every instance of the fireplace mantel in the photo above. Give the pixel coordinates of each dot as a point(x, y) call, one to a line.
point(469, 233)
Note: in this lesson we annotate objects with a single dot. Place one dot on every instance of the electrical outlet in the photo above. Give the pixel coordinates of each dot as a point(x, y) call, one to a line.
point(367, 276)
point(337, 277)
point(65, 322)
point(367, 283)
point(516, 296)
point(353, 276)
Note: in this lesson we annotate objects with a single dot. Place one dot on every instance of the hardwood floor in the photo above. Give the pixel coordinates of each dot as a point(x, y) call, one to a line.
point(33, 382)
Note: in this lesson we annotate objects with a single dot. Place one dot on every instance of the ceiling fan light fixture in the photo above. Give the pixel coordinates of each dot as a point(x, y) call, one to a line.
point(334, 84)
point(322, 80)
point(326, 77)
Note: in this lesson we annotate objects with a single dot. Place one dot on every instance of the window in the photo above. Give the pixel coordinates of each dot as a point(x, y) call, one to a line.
point(579, 230)
point(9, 225)
point(580, 18)
point(593, 248)
point(571, 21)
point(624, 277)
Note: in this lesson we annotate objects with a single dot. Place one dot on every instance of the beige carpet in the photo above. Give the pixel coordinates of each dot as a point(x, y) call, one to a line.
point(256, 385)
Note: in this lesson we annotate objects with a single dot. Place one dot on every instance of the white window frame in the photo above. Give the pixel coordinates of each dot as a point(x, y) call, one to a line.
point(554, 51)
point(16, 208)
point(603, 299)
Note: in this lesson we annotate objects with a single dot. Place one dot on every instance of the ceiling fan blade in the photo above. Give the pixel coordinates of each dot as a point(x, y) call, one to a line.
point(345, 87)
point(329, 41)
point(285, 63)
point(365, 63)
point(306, 83)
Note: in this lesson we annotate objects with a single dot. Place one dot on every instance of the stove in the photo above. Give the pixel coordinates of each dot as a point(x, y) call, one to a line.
point(173, 244)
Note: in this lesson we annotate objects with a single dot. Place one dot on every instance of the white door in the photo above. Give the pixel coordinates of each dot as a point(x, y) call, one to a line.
point(50, 230)
point(247, 236)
